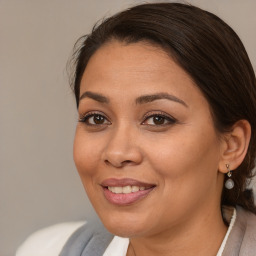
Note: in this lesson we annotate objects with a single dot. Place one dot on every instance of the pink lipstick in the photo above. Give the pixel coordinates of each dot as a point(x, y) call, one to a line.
point(125, 191)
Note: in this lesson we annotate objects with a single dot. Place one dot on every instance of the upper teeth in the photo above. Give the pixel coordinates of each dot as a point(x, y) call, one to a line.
point(126, 189)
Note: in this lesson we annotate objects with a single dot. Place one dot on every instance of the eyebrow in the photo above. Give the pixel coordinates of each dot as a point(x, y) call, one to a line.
point(140, 100)
point(159, 96)
point(95, 96)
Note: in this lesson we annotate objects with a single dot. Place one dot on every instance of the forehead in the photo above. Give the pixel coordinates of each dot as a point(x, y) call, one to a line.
point(117, 63)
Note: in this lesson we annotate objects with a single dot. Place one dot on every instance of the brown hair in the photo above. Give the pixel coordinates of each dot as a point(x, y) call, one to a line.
point(208, 50)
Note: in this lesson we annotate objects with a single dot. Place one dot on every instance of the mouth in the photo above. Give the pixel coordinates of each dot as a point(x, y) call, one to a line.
point(125, 191)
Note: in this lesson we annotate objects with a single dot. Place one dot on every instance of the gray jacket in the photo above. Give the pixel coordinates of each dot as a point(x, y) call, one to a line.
point(92, 240)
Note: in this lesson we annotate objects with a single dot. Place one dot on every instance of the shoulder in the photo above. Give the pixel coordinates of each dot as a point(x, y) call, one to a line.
point(90, 239)
point(242, 238)
point(48, 241)
point(247, 221)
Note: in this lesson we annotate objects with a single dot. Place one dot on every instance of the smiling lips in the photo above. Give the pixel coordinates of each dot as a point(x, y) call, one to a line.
point(125, 191)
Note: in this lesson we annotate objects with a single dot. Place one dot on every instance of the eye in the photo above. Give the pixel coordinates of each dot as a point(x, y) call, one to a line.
point(94, 119)
point(159, 120)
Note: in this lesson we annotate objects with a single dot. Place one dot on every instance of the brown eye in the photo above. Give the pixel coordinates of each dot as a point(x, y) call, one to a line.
point(94, 119)
point(98, 119)
point(158, 120)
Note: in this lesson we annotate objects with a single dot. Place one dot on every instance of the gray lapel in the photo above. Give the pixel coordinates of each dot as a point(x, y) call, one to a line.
point(89, 240)
point(242, 238)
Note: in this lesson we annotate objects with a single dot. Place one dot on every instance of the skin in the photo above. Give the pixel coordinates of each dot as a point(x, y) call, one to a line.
point(184, 158)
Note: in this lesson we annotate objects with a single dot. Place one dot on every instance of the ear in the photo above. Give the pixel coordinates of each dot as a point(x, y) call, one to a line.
point(235, 145)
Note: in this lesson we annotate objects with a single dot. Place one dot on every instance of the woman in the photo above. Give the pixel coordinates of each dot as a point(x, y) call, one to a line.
point(165, 143)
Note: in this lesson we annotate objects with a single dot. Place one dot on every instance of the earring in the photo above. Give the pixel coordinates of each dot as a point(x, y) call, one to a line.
point(229, 184)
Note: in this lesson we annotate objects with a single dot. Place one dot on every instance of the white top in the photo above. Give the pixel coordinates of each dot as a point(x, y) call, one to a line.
point(117, 247)
point(50, 241)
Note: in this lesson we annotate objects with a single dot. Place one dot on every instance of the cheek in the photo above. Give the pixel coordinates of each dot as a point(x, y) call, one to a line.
point(185, 165)
point(86, 153)
point(187, 156)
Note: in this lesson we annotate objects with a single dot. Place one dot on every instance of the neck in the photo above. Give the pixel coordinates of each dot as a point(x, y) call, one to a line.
point(200, 235)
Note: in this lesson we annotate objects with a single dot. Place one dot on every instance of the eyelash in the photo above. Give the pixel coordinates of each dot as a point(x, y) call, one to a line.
point(168, 120)
point(85, 118)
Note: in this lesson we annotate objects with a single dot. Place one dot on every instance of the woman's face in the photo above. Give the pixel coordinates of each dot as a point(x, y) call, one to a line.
point(145, 146)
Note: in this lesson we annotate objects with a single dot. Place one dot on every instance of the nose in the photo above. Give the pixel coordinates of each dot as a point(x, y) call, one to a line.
point(122, 148)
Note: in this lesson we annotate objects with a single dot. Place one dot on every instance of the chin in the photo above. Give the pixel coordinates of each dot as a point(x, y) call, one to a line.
point(124, 225)
point(125, 230)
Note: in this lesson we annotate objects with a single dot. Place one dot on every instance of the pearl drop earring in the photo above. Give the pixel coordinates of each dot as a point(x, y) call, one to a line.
point(229, 184)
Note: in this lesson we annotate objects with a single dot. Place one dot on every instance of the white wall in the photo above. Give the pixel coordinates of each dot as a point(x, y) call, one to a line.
point(39, 185)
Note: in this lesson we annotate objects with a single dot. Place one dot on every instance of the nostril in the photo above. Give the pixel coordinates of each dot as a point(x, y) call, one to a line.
point(114, 163)
point(106, 162)
point(126, 162)
point(118, 164)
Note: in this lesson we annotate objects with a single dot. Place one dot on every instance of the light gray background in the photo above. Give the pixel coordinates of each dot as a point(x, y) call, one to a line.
point(39, 185)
